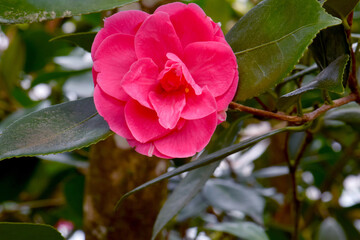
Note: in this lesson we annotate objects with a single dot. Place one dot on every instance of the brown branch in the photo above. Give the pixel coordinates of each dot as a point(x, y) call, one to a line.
point(295, 119)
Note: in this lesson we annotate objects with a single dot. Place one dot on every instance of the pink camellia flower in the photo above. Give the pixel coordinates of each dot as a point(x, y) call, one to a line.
point(163, 81)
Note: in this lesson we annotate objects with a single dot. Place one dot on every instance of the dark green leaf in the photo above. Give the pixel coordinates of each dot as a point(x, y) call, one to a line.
point(21, 113)
point(27, 231)
point(59, 128)
point(273, 171)
point(211, 158)
point(328, 45)
point(330, 229)
point(228, 196)
point(330, 79)
point(83, 40)
point(243, 230)
point(279, 32)
point(347, 114)
point(28, 11)
point(194, 180)
point(341, 8)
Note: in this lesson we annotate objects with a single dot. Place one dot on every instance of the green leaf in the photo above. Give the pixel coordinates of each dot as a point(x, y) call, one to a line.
point(21, 113)
point(26, 231)
point(340, 9)
point(228, 196)
point(211, 158)
point(346, 114)
point(28, 11)
point(243, 230)
point(328, 45)
point(330, 79)
point(63, 127)
point(83, 40)
point(330, 229)
point(270, 172)
point(194, 180)
point(271, 38)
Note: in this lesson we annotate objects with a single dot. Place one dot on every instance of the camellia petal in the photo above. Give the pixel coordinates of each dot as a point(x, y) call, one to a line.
point(211, 64)
point(163, 81)
point(147, 149)
point(199, 106)
point(143, 122)
point(126, 22)
point(141, 80)
point(190, 22)
point(156, 37)
point(189, 79)
point(224, 100)
point(110, 67)
point(191, 138)
point(112, 110)
point(168, 106)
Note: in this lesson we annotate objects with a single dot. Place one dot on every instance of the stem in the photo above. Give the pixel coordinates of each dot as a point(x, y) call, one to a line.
point(295, 119)
point(292, 171)
point(262, 103)
point(326, 97)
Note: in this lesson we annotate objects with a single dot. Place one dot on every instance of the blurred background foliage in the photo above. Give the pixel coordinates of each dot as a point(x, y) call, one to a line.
point(250, 193)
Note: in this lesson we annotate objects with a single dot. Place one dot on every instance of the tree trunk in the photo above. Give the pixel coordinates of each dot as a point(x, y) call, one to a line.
point(113, 172)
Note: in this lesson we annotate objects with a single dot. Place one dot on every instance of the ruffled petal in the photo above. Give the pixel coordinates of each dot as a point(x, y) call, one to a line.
point(112, 110)
point(199, 106)
point(143, 122)
point(115, 56)
point(126, 22)
point(141, 80)
point(190, 22)
point(156, 37)
point(147, 149)
point(211, 64)
point(168, 106)
point(190, 139)
point(224, 100)
point(189, 79)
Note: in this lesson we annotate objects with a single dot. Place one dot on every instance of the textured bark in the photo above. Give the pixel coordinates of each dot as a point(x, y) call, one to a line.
point(277, 156)
point(113, 172)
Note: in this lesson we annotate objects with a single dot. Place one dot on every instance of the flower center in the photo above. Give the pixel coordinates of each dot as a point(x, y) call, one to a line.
point(172, 78)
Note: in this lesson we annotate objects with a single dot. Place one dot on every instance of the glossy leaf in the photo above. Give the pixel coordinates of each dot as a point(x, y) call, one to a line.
point(340, 9)
point(229, 196)
point(194, 180)
point(273, 171)
point(59, 128)
point(243, 230)
point(330, 79)
point(211, 158)
point(28, 11)
point(22, 231)
point(271, 38)
point(328, 45)
point(330, 229)
point(348, 114)
point(21, 113)
point(83, 40)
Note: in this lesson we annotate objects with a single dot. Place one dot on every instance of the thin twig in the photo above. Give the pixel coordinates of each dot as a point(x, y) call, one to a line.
point(295, 119)
point(292, 172)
